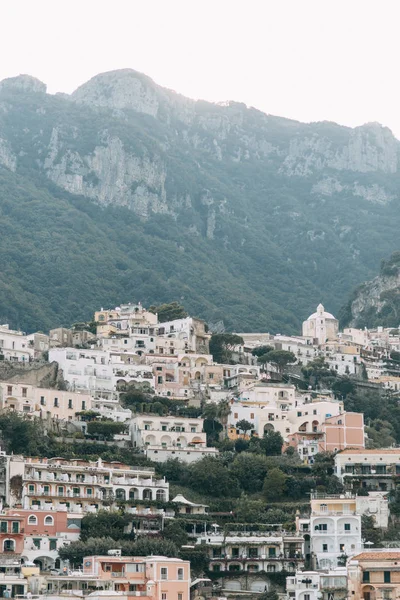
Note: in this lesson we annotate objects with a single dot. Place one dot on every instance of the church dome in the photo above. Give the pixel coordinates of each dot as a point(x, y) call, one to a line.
point(321, 314)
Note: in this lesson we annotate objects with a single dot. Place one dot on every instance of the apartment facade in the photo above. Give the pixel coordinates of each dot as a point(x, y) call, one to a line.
point(374, 575)
point(372, 469)
point(78, 486)
point(43, 402)
point(238, 552)
point(170, 437)
point(151, 577)
point(335, 529)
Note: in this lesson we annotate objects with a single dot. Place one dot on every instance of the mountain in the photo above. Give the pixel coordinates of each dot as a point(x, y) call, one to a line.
point(376, 302)
point(125, 191)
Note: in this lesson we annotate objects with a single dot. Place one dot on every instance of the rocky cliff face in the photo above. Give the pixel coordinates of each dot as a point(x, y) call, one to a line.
point(377, 302)
point(111, 173)
point(279, 214)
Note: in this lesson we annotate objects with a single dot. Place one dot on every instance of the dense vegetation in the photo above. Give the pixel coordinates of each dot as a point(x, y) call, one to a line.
point(243, 243)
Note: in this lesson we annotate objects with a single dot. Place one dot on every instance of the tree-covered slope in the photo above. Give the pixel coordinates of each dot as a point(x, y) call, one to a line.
point(126, 191)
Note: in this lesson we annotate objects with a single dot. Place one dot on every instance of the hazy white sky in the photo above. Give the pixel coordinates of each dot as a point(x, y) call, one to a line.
point(310, 60)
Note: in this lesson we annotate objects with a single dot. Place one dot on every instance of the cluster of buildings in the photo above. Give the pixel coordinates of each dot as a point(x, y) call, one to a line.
point(129, 349)
point(43, 500)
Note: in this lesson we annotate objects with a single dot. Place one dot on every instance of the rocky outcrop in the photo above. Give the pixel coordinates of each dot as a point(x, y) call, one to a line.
point(23, 83)
point(377, 302)
point(39, 374)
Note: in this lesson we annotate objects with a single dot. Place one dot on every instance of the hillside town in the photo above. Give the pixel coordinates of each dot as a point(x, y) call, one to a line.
point(156, 395)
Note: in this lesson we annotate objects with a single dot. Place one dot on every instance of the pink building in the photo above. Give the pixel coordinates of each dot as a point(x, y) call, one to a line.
point(151, 577)
point(344, 431)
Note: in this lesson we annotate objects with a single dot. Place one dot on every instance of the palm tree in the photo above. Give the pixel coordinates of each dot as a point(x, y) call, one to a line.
point(223, 412)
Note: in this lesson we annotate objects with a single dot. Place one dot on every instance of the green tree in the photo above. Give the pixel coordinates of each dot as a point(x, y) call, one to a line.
point(175, 532)
point(249, 470)
point(222, 346)
point(105, 429)
point(169, 312)
point(244, 425)
point(271, 443)
point(208, 476)
point(104, 524)
point(281, 358)
point(261, 350)
point(274, 485)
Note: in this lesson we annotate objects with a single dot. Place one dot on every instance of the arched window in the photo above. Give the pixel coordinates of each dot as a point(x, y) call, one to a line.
point(147, 495)
point(133, 494)
point(48, 520)
point(120, 494)
point(32, 520)
point(271, 568)
point(9, 546)
point(160, 495)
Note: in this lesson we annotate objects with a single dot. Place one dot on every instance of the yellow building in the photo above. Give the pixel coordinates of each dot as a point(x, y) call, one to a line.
point(374, 575)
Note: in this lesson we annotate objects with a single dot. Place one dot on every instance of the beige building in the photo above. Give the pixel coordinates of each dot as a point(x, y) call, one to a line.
point(374, 575)
point(43, 402)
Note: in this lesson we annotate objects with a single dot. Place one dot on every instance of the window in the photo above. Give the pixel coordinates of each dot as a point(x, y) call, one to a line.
point(31, 489)
point(366, 577)
point(48, 520)
point(32, 520)
point(347, 527)
point(324, 547)
point(42, 401)
point(386, 576)
point(159, 379)
point(164, 573)
point(163, 595)
point(15, 527)
point(341, 548)
point(235, 552)
point(70, 403)
point(3, 527)
point(53, 545)
point(193, 430)
point(75, 492)
point(56, 402)
point(24, 392)
point(46, 489)
point(9, 546)
point(60, 491)
point(271, 552)
point(180, 574)
point(83, 404)
point(253, 552)
point(37, 543)
point(180, 596)
point(271, 568)
point(306, 596)
point(9, 389)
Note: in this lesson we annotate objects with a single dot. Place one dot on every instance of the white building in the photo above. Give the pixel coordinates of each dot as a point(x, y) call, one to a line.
point(15, 345)
point(317, 585)
point(321, 326)
point(335, 529)
point(372, 469)
point(98, 371)
point(170, 437)
point(79, 486)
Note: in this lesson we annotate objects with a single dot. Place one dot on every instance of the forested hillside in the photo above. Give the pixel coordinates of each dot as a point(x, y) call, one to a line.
point(126, 191)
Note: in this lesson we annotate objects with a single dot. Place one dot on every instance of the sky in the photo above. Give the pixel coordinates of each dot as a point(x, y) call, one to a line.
point(309, 60)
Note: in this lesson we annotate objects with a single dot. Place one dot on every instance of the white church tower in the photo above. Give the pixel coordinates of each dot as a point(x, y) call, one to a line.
point(321, 326)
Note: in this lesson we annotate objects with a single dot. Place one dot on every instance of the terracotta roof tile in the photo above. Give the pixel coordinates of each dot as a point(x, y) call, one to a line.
point(371, 451)
point(377, 556)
